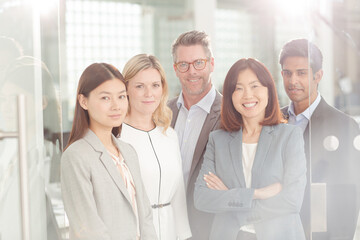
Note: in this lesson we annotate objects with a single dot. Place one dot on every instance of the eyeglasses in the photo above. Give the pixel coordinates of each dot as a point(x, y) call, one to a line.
point(198, 64)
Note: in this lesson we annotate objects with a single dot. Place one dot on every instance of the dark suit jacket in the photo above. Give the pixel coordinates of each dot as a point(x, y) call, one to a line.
point(280, 158)
point(200, 222)
point(339, 169)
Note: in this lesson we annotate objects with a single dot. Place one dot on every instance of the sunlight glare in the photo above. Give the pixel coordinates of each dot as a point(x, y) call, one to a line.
point(44, 7)
point(292, 8)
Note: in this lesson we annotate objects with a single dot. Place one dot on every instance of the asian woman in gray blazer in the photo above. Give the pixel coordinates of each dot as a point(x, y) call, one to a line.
point(101, 185)
point(254, 171)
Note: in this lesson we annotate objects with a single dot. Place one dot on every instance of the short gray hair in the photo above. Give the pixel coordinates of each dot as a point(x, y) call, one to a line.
point(192, 38)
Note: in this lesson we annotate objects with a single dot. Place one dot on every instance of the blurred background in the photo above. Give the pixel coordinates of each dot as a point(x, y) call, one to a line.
point(46, 44)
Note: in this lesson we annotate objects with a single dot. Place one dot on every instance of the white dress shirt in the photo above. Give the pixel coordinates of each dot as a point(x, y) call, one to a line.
point(303, 118)
point(188, 127)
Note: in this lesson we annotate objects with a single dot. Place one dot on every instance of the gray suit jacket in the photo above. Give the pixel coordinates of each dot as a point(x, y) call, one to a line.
point(280, 158)
point(200, 222)
point(339, 169)
point(95, 197)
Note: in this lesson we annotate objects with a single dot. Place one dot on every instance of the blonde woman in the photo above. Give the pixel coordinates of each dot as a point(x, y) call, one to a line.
point(146, 127)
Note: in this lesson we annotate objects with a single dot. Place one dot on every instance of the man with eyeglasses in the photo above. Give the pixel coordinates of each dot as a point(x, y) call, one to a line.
point(196, 112)
point(331, 205)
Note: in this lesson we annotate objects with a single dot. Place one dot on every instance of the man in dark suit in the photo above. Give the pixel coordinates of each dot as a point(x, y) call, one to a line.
point(196, 112)
point(331, 203)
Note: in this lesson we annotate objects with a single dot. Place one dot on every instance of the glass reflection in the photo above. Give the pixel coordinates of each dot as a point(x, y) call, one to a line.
point(9, 173)
point(95, 31)
point(335, 160)
point(331, 143)
point(357, 142)
point(22, 73)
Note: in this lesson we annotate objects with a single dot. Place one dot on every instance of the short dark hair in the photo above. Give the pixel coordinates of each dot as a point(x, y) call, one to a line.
point(231, 119)
point(302, 48)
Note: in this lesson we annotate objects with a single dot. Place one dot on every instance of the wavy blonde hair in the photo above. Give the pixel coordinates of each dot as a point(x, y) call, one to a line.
point(163, 114)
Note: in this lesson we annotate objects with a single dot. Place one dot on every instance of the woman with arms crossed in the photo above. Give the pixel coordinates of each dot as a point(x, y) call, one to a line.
point(101, 184)
point(146, 127)
point(253, 175)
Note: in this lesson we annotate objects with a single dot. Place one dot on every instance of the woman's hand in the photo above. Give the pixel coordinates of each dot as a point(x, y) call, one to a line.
point(268, 191)
point(214, 182)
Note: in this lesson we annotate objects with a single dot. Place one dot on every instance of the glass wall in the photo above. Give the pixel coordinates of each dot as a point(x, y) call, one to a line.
point(45, 46)
point(333, 137)
point(31, 143)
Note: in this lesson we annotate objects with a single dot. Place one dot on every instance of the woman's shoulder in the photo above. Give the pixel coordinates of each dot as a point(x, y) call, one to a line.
point(126, 148)
point(78, 146)
point(78, 151)
point(169, 131)
point(128, 151)
point(124, 144)
point(286, 127)
point(220, 134)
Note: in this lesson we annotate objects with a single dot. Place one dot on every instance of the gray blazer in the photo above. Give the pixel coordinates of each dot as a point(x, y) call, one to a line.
point(280, 158)
point(200, 222)
point(95, 197)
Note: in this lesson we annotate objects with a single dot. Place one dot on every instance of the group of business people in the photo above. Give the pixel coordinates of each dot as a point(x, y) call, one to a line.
point(202, 165)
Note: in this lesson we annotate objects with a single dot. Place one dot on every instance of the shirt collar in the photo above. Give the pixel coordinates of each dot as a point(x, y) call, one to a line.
point(309, 111)
point(205, 103)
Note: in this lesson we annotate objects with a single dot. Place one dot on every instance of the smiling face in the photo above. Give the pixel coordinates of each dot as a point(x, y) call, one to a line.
point(250, 97)
point(195, 83)
point(145, 91)
point(106, 105)
point(300, 82)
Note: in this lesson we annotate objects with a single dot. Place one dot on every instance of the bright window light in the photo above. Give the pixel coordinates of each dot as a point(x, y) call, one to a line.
point(44, 7)
point(293, 8)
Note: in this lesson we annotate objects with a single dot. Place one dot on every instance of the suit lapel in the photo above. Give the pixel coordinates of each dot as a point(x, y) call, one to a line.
point(235, 146)
point(264, 143)
point(285, 112)
point(174, 108)
point(108, 163)
point(129, 160)
point(236, 156)
point(208, 126)
point(310, 140)
point(115, 174)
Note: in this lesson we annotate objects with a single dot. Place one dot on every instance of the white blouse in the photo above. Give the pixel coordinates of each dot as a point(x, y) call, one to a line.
point(248, 156)
point(161, 171)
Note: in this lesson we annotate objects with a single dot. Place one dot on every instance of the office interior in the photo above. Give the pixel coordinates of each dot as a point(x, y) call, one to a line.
point(59, 38)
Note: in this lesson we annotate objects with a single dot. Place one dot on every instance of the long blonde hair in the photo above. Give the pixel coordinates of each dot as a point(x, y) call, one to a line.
point(163, 114)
